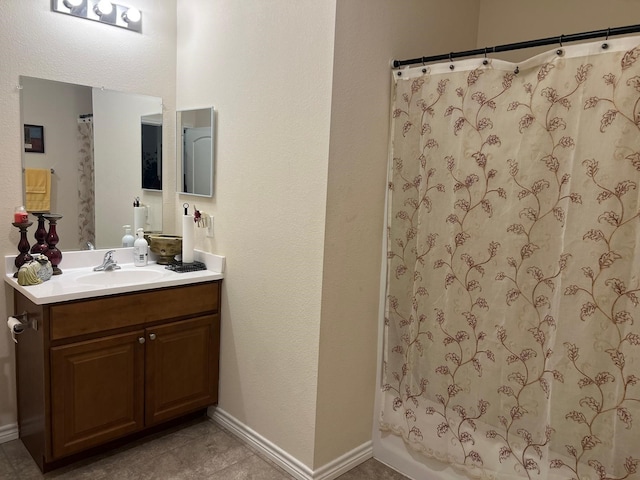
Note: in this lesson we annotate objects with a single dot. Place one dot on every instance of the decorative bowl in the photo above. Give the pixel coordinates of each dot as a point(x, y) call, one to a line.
point(164, 246)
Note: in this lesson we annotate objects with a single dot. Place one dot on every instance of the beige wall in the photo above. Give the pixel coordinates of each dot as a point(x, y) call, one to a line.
point(300, 297)
point(509, 21)
point(266, 67)
point(39, 43)
point(369, 34)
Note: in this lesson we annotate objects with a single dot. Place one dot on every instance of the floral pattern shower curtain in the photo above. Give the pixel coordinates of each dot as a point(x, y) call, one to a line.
point(512, 321)
point(86, 184)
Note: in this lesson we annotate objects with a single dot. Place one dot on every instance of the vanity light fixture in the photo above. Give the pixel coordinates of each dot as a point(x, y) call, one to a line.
point(102, 11)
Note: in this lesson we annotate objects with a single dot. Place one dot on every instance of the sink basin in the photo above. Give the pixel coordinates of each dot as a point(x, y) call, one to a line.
point(120, 277)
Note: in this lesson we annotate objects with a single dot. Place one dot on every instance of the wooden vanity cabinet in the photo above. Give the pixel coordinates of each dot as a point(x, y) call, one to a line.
point(97, 392)
point(98, 370)
point(181, 372)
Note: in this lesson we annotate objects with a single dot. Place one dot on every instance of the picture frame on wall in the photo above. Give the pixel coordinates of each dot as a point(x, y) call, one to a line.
point(34, 138)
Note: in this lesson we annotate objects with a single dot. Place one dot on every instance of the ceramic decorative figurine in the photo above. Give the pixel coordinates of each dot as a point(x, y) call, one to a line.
point(35, 271)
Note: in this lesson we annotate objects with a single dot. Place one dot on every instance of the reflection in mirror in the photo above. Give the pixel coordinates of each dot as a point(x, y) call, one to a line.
point(94, 151)
point(152, 152)
point(195, 151)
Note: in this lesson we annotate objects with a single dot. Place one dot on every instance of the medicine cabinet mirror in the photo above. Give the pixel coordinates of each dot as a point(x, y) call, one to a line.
point(195, 149)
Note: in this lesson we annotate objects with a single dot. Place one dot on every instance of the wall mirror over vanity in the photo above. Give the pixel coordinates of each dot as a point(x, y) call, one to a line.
point(97, 151)
point(104, 149)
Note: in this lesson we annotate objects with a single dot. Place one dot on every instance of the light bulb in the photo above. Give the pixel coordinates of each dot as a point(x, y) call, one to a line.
point(104, 7)
point(72, 3)
point(132, 15)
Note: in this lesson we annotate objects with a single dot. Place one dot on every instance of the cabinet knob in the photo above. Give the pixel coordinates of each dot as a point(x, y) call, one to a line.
point(141, 339)
point(152, 336)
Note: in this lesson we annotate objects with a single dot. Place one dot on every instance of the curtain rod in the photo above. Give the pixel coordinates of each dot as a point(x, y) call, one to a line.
point(608, 32)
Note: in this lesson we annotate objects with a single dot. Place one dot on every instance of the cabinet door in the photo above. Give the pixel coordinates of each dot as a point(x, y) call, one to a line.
point(181, 367)
point(97, 390)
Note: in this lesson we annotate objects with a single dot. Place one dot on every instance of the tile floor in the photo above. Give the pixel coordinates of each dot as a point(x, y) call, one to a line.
point(197, 450)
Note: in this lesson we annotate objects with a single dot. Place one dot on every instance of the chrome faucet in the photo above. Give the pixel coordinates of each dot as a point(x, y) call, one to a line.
point(108, 263)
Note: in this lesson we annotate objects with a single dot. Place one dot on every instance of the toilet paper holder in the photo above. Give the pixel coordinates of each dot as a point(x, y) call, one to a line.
point(24, 319)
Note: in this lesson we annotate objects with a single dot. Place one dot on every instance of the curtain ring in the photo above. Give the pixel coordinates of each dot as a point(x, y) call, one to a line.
point(452, 66)
point(605, 45)
point(559, 51)
point(485, 61)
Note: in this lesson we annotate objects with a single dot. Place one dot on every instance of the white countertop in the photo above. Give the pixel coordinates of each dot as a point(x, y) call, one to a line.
point(79, 281)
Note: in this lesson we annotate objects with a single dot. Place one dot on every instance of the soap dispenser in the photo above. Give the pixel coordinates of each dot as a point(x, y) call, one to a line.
point(128, 239)
point(140, 249)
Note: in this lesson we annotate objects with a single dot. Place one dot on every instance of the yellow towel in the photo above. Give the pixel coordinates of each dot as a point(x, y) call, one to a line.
point(37, 187)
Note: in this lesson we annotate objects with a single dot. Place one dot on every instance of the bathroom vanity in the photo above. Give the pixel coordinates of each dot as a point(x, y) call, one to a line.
point(114, 360)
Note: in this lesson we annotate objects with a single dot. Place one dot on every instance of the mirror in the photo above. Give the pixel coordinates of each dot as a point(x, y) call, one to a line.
point(195, 151)
point(94, 151)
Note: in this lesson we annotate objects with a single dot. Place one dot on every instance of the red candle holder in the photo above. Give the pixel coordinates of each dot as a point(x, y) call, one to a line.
point(53, 254)
point(40, 235)
point(23, 245)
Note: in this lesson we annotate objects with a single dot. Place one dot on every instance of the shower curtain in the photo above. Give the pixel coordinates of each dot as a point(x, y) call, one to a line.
point(512, 319)
point(86, 183)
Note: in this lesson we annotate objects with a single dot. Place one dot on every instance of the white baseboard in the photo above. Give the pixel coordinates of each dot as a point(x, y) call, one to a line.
point(344, 463)
point(8, 433)
point(286, 461)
